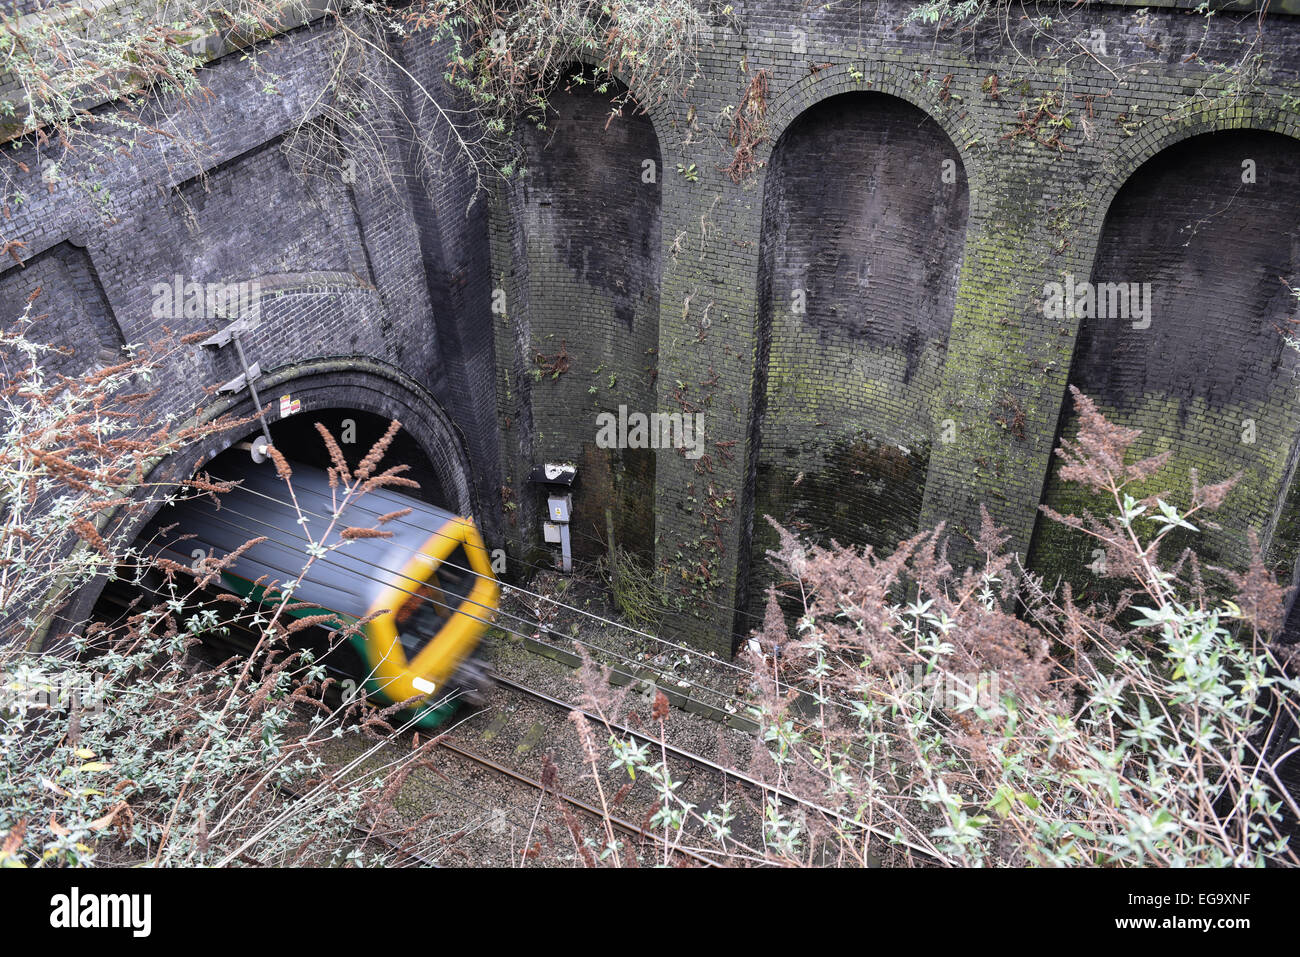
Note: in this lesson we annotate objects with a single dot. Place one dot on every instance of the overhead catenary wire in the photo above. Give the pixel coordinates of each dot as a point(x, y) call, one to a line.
point(488, 622)
point(658, 608)
point(740, 703)
point(523, 591)
point(451, 609)
point(555, 601)
point(310, 797)
point(739, 670)
point(774, 788)
point(833, 701)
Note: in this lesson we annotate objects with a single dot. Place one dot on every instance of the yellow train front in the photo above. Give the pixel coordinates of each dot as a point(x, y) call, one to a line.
point(429, 585)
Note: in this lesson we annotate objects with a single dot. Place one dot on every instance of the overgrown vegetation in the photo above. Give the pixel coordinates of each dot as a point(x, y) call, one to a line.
point(507, 57)
point(118, 743)
point(59, 65)
point(501, 58)
point(945, 728)
point(633, 587)
point(76, 466)
point(958, 717)
point(915, 714)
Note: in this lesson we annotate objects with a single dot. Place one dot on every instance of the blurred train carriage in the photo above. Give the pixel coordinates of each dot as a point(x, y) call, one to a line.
point(431, 580)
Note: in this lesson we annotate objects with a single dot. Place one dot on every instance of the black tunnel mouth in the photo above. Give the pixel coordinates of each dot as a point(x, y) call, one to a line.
point(296, 436)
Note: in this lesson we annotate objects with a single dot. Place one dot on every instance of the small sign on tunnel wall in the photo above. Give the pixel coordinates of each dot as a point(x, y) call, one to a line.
point(289, 405)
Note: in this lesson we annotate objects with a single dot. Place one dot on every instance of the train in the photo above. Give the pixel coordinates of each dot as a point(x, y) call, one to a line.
point(425, 594)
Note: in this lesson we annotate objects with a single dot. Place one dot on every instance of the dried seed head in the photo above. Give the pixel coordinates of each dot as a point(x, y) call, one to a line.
point(354, 532)
point(336, 453)
point(659, 711)
point(376, 453)
point(281, 463)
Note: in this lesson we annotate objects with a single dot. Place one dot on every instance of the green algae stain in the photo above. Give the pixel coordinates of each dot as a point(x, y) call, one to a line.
point(862, 491)
point(1199, 437)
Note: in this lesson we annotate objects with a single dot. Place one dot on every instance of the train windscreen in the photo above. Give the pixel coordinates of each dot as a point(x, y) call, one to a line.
point(430, 607)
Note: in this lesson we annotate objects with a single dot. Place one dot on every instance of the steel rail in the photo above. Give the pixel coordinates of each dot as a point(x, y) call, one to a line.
point(713, 765)
point(615, 821)
point(696, 759)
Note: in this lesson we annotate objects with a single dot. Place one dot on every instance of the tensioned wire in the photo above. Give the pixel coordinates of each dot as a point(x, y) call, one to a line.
point(554, 601)
point(496, 611)
point(465, 797)
point(308, 799)
point(588, 614)
point(702, 601)
point(451, 609)
point(658, 608)
point(834, 702)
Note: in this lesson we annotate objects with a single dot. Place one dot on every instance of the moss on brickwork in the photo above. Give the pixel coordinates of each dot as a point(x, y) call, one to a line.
point(1198, 436)
point(1204, 372)
point(660, 303)
point(994, 352)
point(855, 491)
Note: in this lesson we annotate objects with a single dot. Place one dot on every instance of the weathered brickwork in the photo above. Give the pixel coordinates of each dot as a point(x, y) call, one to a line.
point(678, 290)
point(1035, 214)
point(84, 325)
point(855, 305)
point(586, 211)
point(452, 233)
point(1203, 371)
point(336, 260)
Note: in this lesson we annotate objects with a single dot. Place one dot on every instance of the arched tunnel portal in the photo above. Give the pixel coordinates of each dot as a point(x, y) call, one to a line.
point(355, 400)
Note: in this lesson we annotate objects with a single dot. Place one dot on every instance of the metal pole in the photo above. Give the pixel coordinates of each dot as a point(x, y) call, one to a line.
point(613, 552)
point(248, 379)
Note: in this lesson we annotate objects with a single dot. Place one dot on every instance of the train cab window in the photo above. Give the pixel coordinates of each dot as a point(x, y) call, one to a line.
point(420, 619)
point(456, 578)
point(431, 606)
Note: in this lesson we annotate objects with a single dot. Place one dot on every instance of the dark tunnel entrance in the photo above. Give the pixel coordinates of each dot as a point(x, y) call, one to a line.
point(356, 404)
point(296, 436)
point(355, 431)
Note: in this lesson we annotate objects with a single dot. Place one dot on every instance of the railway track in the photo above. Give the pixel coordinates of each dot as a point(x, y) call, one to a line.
point(743, 784)
point(217, 647)
point(119, 598)
point(617, 822)
point(545, 725)
point(483, 739)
